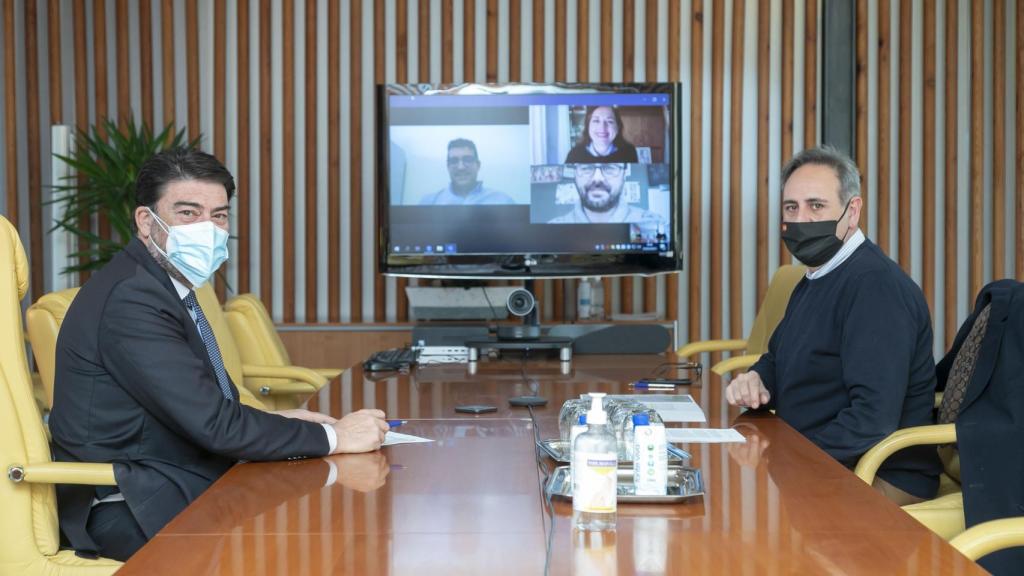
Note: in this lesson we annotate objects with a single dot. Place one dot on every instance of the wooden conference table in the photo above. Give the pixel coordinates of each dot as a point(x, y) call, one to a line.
point(471, 502)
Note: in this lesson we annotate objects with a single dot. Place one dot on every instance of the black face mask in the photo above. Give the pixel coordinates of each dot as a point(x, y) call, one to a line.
point(813, 243)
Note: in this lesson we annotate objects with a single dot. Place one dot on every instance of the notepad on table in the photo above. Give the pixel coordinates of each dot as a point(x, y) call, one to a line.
point(393, 438)
point(703, 435)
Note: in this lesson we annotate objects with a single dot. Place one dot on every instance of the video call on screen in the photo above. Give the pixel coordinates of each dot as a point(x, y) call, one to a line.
point(537, 173)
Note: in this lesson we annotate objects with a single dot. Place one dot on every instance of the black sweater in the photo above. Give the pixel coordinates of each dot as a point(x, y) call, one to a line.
point(851, 362)
point(625, 152)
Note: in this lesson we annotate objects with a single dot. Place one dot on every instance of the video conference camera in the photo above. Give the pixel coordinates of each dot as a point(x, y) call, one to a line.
point(520, 302)
point(523, 304)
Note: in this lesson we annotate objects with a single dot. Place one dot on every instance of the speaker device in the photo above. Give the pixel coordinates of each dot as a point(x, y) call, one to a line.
point(615, 338)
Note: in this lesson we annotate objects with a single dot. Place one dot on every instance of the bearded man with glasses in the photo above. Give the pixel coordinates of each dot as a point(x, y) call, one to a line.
point(600, 189)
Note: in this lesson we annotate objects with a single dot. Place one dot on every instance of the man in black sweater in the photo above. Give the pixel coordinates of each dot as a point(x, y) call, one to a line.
point(851, 361)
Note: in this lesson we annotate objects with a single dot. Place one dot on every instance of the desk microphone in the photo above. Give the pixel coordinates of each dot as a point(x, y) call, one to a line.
point(525, 401)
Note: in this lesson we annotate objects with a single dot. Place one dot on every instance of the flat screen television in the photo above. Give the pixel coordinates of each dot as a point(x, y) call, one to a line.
point(528, 180)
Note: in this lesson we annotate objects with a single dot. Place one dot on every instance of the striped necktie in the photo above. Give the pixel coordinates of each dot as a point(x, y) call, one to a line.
point(211, 344)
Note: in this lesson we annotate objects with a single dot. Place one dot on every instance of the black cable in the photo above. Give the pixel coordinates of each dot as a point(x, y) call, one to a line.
point(494, 314)
point(544, 495)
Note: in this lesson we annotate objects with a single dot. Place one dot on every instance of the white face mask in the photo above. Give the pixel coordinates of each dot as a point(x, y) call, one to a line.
point(196, 250)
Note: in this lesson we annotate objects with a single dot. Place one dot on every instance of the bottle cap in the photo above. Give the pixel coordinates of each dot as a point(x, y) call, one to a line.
point(583, 420)
point(641, 419)
point(596, 414)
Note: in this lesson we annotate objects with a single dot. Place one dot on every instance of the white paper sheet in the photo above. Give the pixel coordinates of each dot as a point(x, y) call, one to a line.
point(393, 438)
point(703, 435)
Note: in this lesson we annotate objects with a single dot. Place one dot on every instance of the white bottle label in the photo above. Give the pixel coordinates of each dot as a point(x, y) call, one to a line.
point(594, 482)
point(650, 460)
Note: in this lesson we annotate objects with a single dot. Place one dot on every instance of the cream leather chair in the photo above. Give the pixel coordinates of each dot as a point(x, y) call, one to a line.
point(278, 387)
point(256, 336)
point(44, 319)
point(29, 534)
point(773, 308)
point(988, 537)
point(944, 514)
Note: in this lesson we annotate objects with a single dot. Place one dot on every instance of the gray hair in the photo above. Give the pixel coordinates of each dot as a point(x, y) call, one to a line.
point(844, 167)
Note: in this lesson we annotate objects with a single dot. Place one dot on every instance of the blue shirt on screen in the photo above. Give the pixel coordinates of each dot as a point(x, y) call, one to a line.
point(478, 195)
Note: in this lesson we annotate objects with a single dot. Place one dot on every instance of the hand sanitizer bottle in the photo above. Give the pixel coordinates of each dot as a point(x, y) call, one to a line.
point(595, 472)
point(650, 457)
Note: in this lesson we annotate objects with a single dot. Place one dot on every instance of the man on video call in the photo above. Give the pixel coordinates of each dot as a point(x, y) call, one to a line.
point(140, 381)
point(851, 361)
point(464, 188)
point(600, 189)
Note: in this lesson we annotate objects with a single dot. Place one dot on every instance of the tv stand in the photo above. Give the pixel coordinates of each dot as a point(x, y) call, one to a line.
point(523, 337)
point(519, 333)
point(563, 345)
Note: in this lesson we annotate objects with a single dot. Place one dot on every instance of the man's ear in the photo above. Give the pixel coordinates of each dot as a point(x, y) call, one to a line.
point(143, 221)
point(856, 203)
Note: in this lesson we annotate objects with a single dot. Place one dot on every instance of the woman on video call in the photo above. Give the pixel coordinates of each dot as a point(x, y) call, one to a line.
point(602, 139)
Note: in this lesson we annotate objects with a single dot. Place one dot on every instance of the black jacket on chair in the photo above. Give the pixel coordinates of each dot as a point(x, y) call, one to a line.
point(990, 426)
point(134, 386)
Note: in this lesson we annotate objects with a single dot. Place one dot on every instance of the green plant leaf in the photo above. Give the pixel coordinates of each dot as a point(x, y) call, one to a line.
point(104, 163)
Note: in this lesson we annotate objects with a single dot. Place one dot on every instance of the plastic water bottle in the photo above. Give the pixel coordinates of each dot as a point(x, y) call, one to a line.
point(583, 299)
point(595, 472)
point(596, 299)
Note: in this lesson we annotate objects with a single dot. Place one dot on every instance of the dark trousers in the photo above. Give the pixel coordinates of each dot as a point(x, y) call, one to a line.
point(115, 531)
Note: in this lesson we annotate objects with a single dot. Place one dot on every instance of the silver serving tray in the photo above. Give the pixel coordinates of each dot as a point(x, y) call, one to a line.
point(683, 483)
point(558, 450)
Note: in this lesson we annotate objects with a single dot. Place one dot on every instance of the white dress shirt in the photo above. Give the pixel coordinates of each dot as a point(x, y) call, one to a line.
point(845, 252)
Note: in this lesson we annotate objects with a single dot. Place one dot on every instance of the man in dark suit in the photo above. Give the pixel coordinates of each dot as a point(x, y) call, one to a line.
point(986, 402)
point(140, 381)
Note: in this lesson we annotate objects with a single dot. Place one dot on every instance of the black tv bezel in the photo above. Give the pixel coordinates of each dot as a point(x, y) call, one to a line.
point(521, 265)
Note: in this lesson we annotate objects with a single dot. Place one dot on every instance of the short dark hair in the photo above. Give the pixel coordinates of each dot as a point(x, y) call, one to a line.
point(173, 165)
point(464, 143)
point(844, 167)
point(619, 141)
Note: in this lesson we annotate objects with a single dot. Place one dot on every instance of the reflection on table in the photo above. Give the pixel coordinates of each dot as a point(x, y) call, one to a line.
point(472, 501)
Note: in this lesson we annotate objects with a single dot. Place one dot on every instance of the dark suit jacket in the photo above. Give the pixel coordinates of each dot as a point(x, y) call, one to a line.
point(990, 426)
point(134, 386)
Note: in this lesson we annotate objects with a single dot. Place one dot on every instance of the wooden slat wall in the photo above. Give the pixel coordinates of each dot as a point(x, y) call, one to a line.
point(884, 142)
point(764, 22)
point(736, 169)
point(950, 307)
point(1019, 140)
point(905, 135)
point(861, 113)
point(750, 104)
point(928, 153)
point(977, 134)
